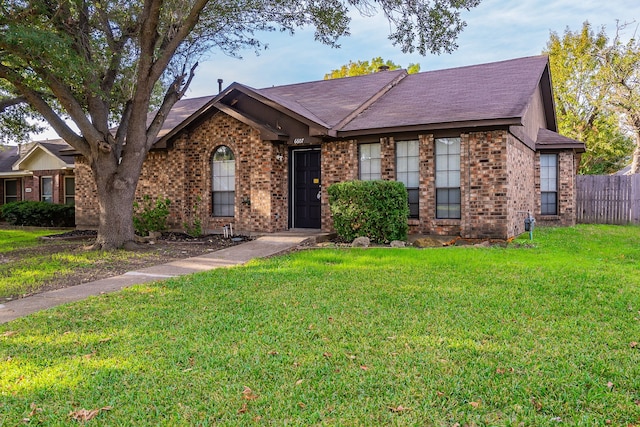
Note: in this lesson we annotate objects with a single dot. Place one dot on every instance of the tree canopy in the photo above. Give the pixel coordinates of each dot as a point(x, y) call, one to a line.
point(17, 120)
point(360, 68)
point(99, 63)
point(582, 98)
point(597, 93)
point(621, 63)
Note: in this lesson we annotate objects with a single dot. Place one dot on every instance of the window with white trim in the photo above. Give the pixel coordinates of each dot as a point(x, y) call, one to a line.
point(370, 162)
point(223, 182)
point(10, 190)
point(448, 178)
point(408, 172)
point(46, 189)
point(549, 184)
point(69, 190)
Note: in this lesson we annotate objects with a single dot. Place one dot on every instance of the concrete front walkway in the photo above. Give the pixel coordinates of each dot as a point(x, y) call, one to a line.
point(261, 247)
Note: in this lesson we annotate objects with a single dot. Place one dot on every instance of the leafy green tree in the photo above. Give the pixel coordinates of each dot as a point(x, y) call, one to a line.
point(582, 97)
point(621, 65)
point(98, 62)
point(360, 68)
point(15, 113)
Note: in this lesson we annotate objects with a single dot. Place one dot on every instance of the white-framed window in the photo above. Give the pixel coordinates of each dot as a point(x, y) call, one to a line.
point(223, 182)
point(447, 178)
point(549, 184)
point(46, 189)
point(370, 169)
point(10, 190)
point(69, 190)
point(408, 172)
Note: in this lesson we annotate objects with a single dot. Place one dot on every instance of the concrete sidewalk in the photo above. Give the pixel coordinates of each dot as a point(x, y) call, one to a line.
point(261, 247)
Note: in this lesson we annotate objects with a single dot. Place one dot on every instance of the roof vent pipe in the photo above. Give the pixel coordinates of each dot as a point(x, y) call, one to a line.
point(219, 85)
point(383, 68)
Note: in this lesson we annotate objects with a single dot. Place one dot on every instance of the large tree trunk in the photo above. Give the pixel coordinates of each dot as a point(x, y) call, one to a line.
point(116, 187)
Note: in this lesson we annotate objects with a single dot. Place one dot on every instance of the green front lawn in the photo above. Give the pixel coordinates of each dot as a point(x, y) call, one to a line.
point(19, 238)
point(27, 264)
point(534, 336)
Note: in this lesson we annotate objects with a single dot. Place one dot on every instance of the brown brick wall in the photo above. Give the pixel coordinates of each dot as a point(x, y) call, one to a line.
point(497, 175)
point(182, 173)
point(87, 210)
point(520, 196)
point(485, 185)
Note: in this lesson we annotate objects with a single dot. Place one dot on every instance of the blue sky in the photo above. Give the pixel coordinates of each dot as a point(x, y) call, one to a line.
point(496, 30)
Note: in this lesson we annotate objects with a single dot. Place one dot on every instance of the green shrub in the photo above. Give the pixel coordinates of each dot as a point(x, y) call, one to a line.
point(38, 214)
point(375, 209)
point(150, 216)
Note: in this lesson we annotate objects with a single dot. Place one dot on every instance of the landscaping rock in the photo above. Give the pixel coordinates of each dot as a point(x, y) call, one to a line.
point(484, 244)
point(398, 244)
point(427, 242)
point(361, 242)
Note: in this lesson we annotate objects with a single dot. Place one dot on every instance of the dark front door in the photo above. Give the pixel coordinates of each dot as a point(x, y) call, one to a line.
point(306, 185)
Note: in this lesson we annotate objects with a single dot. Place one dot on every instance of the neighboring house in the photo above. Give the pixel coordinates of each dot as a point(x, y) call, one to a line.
point(38, 171)
point(475, 146)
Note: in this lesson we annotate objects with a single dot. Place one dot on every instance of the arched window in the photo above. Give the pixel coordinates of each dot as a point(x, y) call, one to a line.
point(223, 181)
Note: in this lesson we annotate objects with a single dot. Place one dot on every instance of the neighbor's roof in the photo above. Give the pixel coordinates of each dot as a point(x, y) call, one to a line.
point(56, 148)
point(8, 156)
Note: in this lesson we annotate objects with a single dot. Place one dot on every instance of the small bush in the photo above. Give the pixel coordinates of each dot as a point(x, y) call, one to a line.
point(193, 226)
point(376, 209)
point(38, 214)
point(150, 216)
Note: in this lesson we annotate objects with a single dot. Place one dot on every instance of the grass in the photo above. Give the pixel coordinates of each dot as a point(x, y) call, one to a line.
point(31, 269)
point(19, 238)
point(540, 335)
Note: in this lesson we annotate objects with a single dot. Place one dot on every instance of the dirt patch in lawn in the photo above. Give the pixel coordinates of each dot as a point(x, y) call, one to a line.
point(169, 247)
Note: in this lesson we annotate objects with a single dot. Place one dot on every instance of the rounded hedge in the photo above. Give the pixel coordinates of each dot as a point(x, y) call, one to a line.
point(378, 210)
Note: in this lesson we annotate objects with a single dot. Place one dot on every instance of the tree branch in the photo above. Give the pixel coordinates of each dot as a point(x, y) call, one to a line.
point(10, 102)
point(39, 104)
point(175, 92)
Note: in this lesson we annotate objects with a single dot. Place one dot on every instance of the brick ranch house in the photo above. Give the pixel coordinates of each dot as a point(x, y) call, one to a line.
point(475, 146)
point(37, 171)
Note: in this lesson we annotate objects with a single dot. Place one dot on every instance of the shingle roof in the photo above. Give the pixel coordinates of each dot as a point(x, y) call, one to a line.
point(333, 100)
point(497, 93)
point(8, 156)
point(499, 90)
point(548, 139)
point(181, 111)
point(60, 149)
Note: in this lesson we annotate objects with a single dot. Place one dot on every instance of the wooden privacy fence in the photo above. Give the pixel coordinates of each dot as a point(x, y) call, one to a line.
point(608, 199)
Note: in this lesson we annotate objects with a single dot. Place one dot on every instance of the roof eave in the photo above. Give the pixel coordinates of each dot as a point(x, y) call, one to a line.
point(433, 127)
point(278, 107)
point(547, 99)
point(17, 174)
point(266, 132)
point(578, 147)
